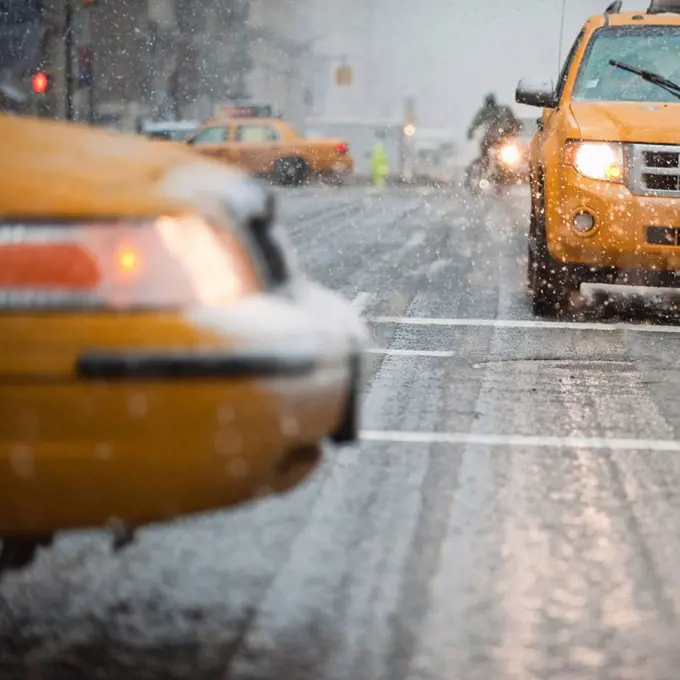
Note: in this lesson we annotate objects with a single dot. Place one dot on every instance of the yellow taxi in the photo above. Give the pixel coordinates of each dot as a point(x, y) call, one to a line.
point(273, 148)
point(605, 170)
point(160, 355)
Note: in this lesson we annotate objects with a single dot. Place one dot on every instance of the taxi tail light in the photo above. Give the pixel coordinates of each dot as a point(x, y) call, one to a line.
point(47, 265)
point(343, 148)
point(166, 263)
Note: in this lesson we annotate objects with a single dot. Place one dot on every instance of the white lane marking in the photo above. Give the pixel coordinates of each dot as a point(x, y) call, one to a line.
point(361, 301)
point(397, 437)
point(507, 323)
point(390, 352)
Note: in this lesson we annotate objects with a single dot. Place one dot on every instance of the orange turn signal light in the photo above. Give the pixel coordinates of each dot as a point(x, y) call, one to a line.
point(128, 260)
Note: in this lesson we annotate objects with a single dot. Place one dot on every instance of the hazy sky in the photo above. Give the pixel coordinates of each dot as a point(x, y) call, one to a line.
point(446, 53)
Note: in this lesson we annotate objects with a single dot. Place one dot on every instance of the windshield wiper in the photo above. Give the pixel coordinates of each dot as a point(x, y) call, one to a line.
point(650, 77)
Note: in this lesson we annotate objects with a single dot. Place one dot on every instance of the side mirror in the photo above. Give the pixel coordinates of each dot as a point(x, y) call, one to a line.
point(540, 94)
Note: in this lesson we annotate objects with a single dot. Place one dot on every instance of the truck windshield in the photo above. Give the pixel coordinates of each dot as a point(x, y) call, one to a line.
point(653, 48)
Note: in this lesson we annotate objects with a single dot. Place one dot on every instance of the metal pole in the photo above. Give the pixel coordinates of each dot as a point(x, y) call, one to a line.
point(68, 66)
point(87, 41)
point(90, 97)
point(559, 50)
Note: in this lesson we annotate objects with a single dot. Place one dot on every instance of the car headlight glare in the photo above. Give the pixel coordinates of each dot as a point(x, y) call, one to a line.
point(596, 160)
point(510, 154)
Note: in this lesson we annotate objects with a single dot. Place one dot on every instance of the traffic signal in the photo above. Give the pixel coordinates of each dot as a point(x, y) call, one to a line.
point(40, 82)
point(344, 75)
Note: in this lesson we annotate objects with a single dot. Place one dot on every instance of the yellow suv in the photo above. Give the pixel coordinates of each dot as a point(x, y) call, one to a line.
point(605, 166)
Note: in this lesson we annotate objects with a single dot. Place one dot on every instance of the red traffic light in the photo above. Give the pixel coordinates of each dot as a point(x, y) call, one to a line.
point(40, 83)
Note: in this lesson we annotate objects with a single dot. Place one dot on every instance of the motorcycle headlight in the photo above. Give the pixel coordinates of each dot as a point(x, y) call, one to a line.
point(510, 154)
point(596, 160)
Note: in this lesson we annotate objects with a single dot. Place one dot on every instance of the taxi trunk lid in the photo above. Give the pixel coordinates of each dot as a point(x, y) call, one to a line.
point(47, 345)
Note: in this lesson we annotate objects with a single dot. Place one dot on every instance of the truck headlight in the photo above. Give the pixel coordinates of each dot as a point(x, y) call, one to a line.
point(596, 160)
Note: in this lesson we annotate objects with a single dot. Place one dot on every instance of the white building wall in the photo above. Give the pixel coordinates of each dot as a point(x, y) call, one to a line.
point(279, 54)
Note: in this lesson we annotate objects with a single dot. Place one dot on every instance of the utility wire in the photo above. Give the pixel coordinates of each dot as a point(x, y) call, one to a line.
point(559, 53)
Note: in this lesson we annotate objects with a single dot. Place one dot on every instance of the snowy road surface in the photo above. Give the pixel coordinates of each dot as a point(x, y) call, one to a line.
point(513, 511)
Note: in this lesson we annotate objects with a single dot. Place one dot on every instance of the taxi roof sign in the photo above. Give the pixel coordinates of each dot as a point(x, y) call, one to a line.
point(664, 7)
point(248, 109)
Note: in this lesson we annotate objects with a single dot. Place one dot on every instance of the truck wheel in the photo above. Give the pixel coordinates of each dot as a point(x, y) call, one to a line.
point(291, 171)
point(551, 285)
point(531, 246)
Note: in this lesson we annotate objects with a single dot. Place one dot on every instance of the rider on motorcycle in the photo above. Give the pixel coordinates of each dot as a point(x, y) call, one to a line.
point(499, 122)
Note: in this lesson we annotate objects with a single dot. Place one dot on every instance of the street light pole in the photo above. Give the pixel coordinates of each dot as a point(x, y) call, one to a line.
point(68, 65)
point(85, 53)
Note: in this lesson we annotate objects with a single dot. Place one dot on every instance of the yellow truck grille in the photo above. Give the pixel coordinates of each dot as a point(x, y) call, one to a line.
point(654, 170)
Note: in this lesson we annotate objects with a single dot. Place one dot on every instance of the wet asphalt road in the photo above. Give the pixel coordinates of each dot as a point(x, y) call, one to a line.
point(513, 512)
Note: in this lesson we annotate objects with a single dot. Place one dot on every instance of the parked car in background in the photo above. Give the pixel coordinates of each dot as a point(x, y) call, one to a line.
point(271, 147)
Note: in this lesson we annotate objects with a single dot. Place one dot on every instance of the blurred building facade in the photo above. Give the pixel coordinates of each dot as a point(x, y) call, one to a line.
point(282, 51)
point(22, 34)
point(154, 58)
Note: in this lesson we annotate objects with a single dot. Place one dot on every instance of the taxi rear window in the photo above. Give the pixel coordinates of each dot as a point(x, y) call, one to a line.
point(654, 48)
point(168, 135)
point(256, 134)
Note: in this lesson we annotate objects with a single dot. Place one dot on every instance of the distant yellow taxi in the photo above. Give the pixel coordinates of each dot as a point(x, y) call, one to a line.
point(605, 170)
point(271, 147)
point(159, 354)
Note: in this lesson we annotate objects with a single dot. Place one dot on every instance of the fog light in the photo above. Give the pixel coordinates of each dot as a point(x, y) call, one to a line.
point(583, 222)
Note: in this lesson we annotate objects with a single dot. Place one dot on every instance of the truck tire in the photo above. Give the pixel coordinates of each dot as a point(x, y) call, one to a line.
point(550, 284)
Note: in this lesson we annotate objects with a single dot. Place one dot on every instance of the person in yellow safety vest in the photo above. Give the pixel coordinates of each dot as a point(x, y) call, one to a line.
point(380, 166)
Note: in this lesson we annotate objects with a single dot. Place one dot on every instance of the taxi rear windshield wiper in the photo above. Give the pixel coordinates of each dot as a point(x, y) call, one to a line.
point(650, 77)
